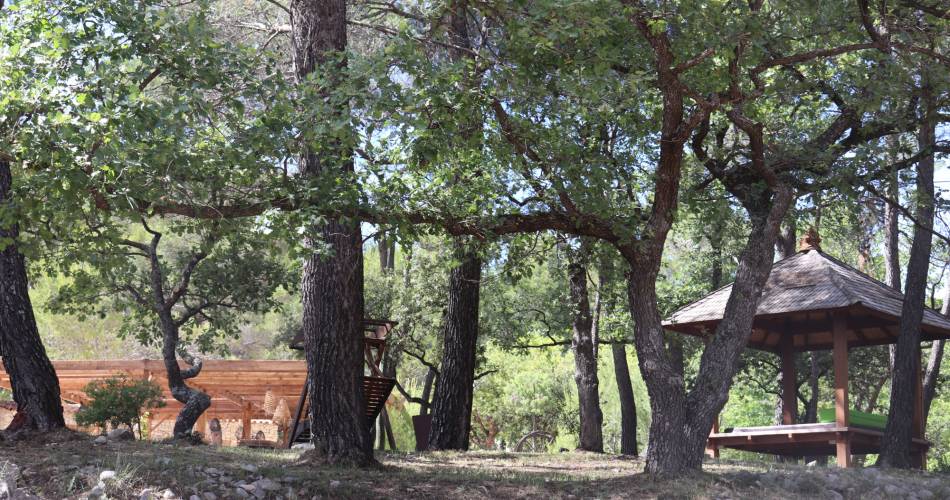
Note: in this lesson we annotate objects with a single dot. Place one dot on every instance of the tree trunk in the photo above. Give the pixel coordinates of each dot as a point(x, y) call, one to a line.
point(332, 285)
point(787, 240)
point(628, 404)
point(427, 392)
point(585, 363)
point(195, 402)
point(32, 377)
point(681, 422)
point(932, 375)
point(452, 402)
point(892, 258)
point(896, 443)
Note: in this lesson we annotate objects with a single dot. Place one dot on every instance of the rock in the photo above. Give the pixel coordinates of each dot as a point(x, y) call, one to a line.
point(833, 495)
point(892, 491)
point(211, 471)
point(924, 495)
point(334, 484)
point(107, 475)
point(8, 476)
point(96, 491)
point(249, 468)
point(267, 484)
point(100, 440)
point(169, 494)
point(209, 496)
point(302, 446)
point(146, 494)
point(120, 435)
point(194, 497)
point(241, 493)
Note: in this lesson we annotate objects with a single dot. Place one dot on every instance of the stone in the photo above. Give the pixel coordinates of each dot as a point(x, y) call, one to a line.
point(194, 497)
point(8, 476)
point(833, 495)
point(249, 468)
point(146, 494)
point(267, 484)
point(209, 496)
point(892, 491)
point(169, 495)
point(334, 484)
point(302, 446)
point(100, 440)
point(924, 495)
point(241, 493)
point(96, 491)
point(211, 471)
point(122, 434)
point(107, 475)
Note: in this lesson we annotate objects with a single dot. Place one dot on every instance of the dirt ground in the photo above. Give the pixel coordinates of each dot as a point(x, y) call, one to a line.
point(68, 465)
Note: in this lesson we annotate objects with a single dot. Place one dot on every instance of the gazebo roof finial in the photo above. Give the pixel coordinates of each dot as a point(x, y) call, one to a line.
point(810, 240)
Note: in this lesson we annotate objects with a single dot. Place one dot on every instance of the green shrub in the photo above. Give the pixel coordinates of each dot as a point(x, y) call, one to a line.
point(119, 400)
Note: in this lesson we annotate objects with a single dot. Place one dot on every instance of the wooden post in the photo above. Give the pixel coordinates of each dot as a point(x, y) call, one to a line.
point(246, 421)
point(712, 450)
point(840, 359)
point(789, 381)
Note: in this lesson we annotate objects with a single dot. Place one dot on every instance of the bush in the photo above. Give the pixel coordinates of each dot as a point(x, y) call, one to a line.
point(119, 400)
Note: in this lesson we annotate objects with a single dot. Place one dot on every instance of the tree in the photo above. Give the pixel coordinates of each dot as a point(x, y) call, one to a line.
point(896, 443)
point(35, 386)
point(585, 361)
point(452, 400)
point(332, 283)
point(179, 294)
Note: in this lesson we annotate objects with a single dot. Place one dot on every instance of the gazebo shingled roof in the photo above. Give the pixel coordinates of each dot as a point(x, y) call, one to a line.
point(801, 293)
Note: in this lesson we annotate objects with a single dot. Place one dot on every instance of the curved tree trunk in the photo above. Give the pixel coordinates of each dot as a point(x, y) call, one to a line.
point(896, 443)
point(585, 363)
point(195, 402)
point(332, 285)
point(452, 401)
point(34, 381)
point(628, 404)
point(681, 422)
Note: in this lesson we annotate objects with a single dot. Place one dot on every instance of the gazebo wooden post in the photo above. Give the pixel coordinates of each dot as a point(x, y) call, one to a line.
point(840, 360)
point(789, 381)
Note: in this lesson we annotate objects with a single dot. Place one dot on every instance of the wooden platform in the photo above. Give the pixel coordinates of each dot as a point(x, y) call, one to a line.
point(804, 440)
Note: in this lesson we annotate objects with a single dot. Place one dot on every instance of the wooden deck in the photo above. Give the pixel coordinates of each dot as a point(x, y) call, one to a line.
point(237, 387)
point(804, 440)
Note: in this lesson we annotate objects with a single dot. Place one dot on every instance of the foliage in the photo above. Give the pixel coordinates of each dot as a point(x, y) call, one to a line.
point(119, 400)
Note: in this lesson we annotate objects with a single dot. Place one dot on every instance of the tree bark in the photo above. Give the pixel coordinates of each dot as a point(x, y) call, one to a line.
point(32, 377)
point(787, 240)
point(932, 375)
point(585, 363)
point(681, 421)
point(892, 258)
point(628, 404)
point(195, 402)
point(332, 285)
point(896, 443)
point(452, 401)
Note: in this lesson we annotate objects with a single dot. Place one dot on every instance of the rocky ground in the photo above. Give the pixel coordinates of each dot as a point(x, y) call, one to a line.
point(69, 465)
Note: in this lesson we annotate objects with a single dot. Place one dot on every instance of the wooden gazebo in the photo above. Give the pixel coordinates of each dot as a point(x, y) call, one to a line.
point(813, 301)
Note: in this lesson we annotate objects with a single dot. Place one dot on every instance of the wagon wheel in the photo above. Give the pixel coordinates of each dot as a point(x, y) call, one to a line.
point(535, 441)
